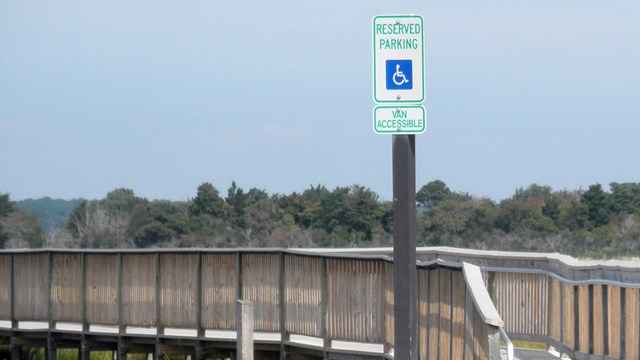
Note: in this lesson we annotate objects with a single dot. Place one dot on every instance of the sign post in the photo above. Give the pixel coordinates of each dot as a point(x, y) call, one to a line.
point(405, 276)
point(398, 86)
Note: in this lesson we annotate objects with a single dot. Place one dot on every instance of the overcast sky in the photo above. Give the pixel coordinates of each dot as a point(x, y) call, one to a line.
point(161, 96)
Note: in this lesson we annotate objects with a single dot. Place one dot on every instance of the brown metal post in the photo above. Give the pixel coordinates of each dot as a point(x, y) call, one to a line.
point(405, 282)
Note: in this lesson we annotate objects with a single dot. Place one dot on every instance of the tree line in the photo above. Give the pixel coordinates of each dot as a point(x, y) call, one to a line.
point(592, 222)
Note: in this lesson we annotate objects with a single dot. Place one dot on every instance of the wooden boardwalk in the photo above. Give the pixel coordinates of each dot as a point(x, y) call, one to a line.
point(137, 300)
point(337, 301)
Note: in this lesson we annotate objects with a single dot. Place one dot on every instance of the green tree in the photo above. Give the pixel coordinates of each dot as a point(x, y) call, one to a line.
point(597, 202)
point(328, 215)
point(431, 194)
point(160, 222)
point(364, 211)
point(293, 205)
point(573, 214)
point(3, 236)
point(22, 230)
point(457, 221)
point(6, 205)
point(208, 202)
point(262, 218)
point(108, 223)
point(625, 197)
point(93, 225)
point(517, 215)
point(312, 200)
point(121, 200)
point(237, 200)
point(255, 195)
point(18, 228)
point(551, 208)
point(534, 194)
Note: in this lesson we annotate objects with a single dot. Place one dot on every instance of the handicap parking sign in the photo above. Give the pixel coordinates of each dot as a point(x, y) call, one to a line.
point(399, 74)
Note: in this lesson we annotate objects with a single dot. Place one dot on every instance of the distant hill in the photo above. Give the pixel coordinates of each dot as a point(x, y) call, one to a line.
point(53, 212)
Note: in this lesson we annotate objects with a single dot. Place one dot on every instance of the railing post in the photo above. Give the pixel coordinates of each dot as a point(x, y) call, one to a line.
point(576, 318)
point(84, 348)
point(158, 294)
point(623, 324)
point(590, 310)
point(14, 322)
point(284, 334)
point(239, 292)
point(199, 355)
point(469, 346)
point(386, 347)
point(158, 350)
point(244, 326)
point(16, 350)
point(50, 291)
point(605, 318)
point(493, 340)
point(561, 311)
point(549, 308)
point(324, 300)
point(491, 285)
point(51, 352)
point(121, 327)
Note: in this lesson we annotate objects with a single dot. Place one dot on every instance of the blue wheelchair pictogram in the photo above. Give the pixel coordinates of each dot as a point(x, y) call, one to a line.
point(399, 75)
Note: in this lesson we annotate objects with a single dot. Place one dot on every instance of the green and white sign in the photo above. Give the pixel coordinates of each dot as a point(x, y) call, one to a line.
point(399, 119)
point(398, 59)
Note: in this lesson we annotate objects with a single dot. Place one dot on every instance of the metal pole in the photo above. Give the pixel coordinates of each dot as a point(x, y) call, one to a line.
point(405, 282)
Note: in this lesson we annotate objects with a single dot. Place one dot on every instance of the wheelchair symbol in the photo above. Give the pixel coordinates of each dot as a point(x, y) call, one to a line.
point(399, 74)
point(398, 77)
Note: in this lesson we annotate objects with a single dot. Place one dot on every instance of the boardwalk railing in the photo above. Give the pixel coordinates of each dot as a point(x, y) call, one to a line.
point(586, 309)
point(330, 300)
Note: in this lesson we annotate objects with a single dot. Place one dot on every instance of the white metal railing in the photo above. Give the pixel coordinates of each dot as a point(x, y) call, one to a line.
point(508, 343)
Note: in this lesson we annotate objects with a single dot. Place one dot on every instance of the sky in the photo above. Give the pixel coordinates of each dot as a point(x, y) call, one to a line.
point(161, 96)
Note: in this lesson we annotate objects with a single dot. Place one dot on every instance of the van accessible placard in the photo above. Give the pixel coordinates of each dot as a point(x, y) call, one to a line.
point(399, 119)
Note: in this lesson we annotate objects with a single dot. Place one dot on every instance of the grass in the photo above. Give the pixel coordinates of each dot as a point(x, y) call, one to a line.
point(72, 354)
point(530, 345)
